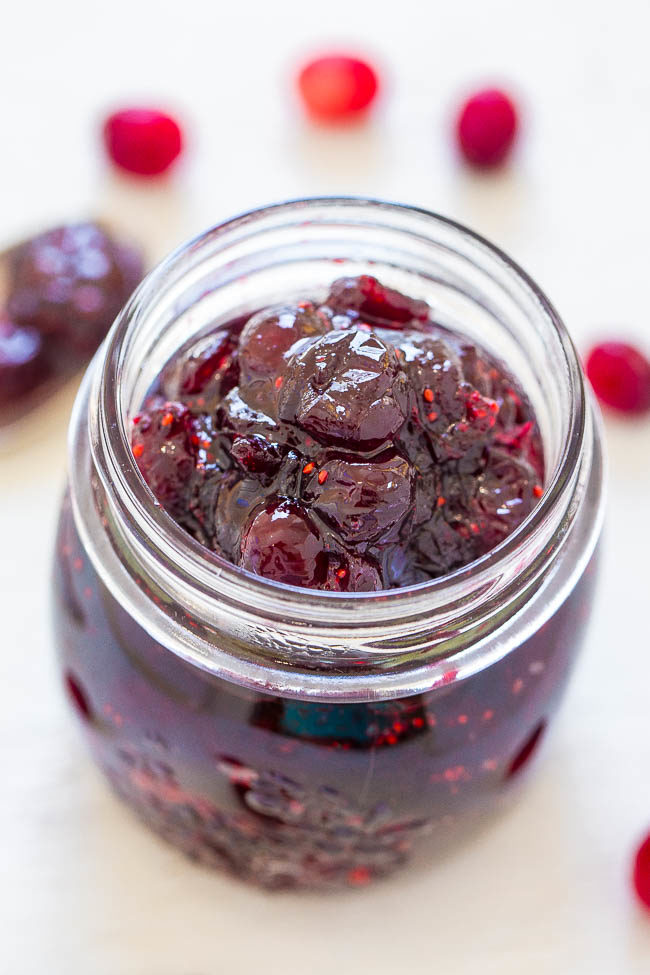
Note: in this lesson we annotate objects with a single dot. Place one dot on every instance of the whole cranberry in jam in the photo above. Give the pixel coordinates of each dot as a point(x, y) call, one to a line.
point(163, 445)
point(620, 376)
point(346, 389)
point(351, 445)
point(486, 127)
point(364, 501)
point(144, 141)
point(337, 87)
point(281, 543)
point(70, 283)
point(374, 302)
point(265, 346)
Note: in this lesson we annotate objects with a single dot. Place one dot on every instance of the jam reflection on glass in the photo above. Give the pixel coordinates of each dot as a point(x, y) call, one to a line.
point(292, 793)
point(350, 445)
point(63, 290)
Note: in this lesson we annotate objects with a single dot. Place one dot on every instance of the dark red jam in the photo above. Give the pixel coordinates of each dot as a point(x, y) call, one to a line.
point(64, 288)
point(300, 793)
point(350, 445)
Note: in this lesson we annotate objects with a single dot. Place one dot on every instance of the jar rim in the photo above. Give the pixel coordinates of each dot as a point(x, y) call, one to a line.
point(192, 565)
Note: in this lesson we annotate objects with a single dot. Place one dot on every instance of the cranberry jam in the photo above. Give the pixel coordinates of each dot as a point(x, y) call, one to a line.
point(348, 446)
point(328, 550)
point(63, 290)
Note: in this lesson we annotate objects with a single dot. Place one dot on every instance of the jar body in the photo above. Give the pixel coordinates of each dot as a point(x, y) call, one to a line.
point(291, 793)
point(293, 737)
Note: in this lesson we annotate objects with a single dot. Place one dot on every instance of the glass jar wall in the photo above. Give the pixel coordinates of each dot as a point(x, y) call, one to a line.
point(306, 738)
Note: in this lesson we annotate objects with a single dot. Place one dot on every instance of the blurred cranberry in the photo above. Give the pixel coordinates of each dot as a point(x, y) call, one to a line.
point(486, 127)
point(337, 87)
point(620, 376)
point(142, 140)
point(641, 874)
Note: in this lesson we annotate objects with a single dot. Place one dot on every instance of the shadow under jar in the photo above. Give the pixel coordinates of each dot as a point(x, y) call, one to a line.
point(298, 737)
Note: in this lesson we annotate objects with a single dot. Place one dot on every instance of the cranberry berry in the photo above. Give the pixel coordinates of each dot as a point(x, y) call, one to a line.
point(346, 388)
point(281, 543)
point(486, 127)
point(143, 141)
point(373, 302)
point(337, 87)
point(350, 446)
point(620, 376)
point(641, 875)
point(165, 447)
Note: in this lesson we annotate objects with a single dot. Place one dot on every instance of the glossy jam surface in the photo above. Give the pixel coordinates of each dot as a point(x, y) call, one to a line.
point(292, 793)
point(64, 289)
point(348, 445)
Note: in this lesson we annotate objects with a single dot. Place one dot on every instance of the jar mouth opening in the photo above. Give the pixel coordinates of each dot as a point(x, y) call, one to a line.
point(212, 571)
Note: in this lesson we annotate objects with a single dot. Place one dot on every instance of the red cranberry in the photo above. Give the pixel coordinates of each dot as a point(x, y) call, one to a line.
point(209, 362)
point(283, 544)
point(264, 346)
point(346, 388)
point(505, 493)
point(257, 456)
point(363, 501)
point(375, 302)
point(641, 875)
point(22, 361)
point(353, 573)
point(337, 88)
point(620, 376)
point(144, 141)
point(163, 448)
point(486, 127)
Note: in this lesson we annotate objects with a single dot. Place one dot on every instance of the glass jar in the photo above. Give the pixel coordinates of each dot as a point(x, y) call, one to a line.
point(302, 738)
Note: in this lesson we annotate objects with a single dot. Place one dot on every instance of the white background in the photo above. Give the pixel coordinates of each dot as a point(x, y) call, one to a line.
point(84, 889)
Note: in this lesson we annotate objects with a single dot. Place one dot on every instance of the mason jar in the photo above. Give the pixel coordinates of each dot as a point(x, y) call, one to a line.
point(300, 738)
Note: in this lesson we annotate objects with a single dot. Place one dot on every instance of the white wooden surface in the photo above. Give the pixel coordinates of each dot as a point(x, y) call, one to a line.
point(84, 889)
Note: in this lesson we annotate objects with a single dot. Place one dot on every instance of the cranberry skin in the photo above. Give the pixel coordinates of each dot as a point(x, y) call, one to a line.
point(337, 88)
point(162, 446)
point(267, 341)
point(71, 282)
point(486, 127)
point(346, 389)
point(282, 543)
point(352, 573)
point(456, 418)
point(208, 363)
point(364, 502)
point(257, 457)
point(440, 548)
point(620, 376)
point(641, 873)
point(143, 141)
point(435, 376)
point(374, 302)
point(23, 364)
